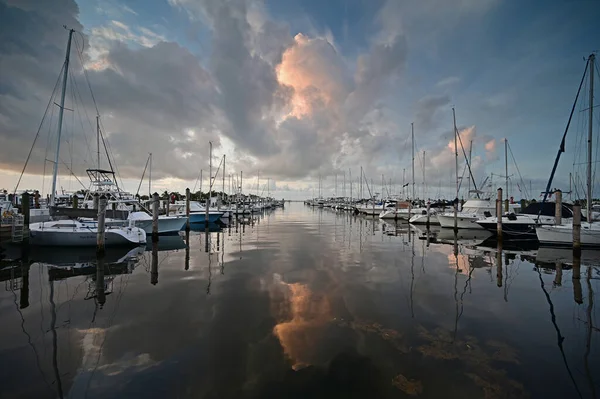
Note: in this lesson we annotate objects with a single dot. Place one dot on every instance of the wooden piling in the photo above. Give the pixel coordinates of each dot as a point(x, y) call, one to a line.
point(558, 277)
point(155, 203)
point(576, 278)
point(75, 202)
point(95, 201)
point(187, 208)
point(187, 250)
point(25, 210)
point(36, 199)
point(499, 215)
point(100, 239)
point(558, 207)
point(100, 293)
point(168, 205)
point(576, 229)
point(499, 260)
point(154, 268)
point(428, 216)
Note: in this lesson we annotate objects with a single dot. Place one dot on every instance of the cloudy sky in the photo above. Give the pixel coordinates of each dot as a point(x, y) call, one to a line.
point(293, 89)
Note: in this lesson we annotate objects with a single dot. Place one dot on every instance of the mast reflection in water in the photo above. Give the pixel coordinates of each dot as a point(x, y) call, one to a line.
point(301, 302)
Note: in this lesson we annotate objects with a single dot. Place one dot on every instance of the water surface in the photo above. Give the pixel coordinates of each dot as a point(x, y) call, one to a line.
point(301, 302)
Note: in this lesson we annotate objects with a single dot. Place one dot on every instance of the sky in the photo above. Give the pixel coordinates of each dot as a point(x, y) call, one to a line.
point(295, 91)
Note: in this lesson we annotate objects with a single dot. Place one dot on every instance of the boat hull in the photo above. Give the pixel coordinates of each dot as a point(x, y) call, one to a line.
point(422, 219)
point(66, 238)
point(562, 236)
point(166, 225)
point(201, 217)
point(463, 222)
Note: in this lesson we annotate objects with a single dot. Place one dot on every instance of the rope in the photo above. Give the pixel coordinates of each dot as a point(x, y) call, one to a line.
point(37, 134)
point(518, 171)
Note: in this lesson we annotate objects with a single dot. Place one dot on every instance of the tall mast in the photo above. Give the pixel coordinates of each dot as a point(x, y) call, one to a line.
point(412, 130)
point(210, 177)
point(455, 150)
point(98, 138)
point(350, 177)
point(403, 182)
point(149, 177)
point(590, 131)
point(223, 193)
point(361, 183)
point(470, 152)
point(60, 117)
point(506, 167)
point(456, 165)
point(335, 190)
point(382, 186)
point(423, 175)
point(268, 187)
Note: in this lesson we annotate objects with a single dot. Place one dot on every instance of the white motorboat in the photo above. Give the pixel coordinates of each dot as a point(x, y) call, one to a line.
point(523, 225)
point(401, 214)
point(472, 210)
point(421, 218)
point(166, 224)
point(80, 234)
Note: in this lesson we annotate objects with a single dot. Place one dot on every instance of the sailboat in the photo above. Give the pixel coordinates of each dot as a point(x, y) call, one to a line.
point(562, 234)
point(75, 232)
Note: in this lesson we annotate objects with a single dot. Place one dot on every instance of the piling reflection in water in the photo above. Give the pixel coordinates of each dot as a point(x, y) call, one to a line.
point(302, 302)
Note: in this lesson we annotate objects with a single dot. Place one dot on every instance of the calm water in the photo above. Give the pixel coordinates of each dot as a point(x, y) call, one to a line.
point(301, 303)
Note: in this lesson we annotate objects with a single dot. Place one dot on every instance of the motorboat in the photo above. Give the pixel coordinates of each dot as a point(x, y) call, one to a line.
point(523, 225)
point(166, 224)
point(197, 212)
point(76, 233)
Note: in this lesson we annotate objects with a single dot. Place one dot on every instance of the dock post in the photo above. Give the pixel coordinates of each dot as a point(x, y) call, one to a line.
point(168, 205)
point(36, 199)
point(154, 268)
point(187, 250)
point(558, 207)
point(155, 203)
point(100, 293)
point(24, 297)
point(499, 261)
point(187, 209)
point(25, 210)
point(499, 215)
point(576, 229)
point(102, 202)
point(576, 278)
point(95, 203)
point(558, 278)
point(75, 201)
point(428, 216)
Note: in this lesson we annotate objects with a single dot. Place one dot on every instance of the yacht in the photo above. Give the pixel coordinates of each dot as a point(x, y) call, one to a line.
point(523, 225)
point(472, 211)
point(197, 212)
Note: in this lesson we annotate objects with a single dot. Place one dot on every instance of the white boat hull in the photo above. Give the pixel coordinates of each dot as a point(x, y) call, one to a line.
point(65, 237)
point(422, 219)
point(463, 221)
point(562, 235)
point(166, 225)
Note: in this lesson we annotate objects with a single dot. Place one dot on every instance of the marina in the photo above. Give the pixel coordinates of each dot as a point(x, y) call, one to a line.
point(295, 199)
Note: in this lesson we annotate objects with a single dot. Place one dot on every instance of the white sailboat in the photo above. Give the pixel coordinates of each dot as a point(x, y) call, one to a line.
point(74, 232)
point(562, 234)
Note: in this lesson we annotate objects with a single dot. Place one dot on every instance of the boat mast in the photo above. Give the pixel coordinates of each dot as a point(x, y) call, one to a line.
point(590, 132)
point(456, 167)
point(506, 169)
point(223, 191)
point(350, 177)
point(423, 175)
point(470, 152)
point(98, 138)
point(149, 176)
point(412, 129)
point(60, 117)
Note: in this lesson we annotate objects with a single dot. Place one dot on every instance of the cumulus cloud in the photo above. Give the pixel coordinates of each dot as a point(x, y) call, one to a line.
point(292, 106)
